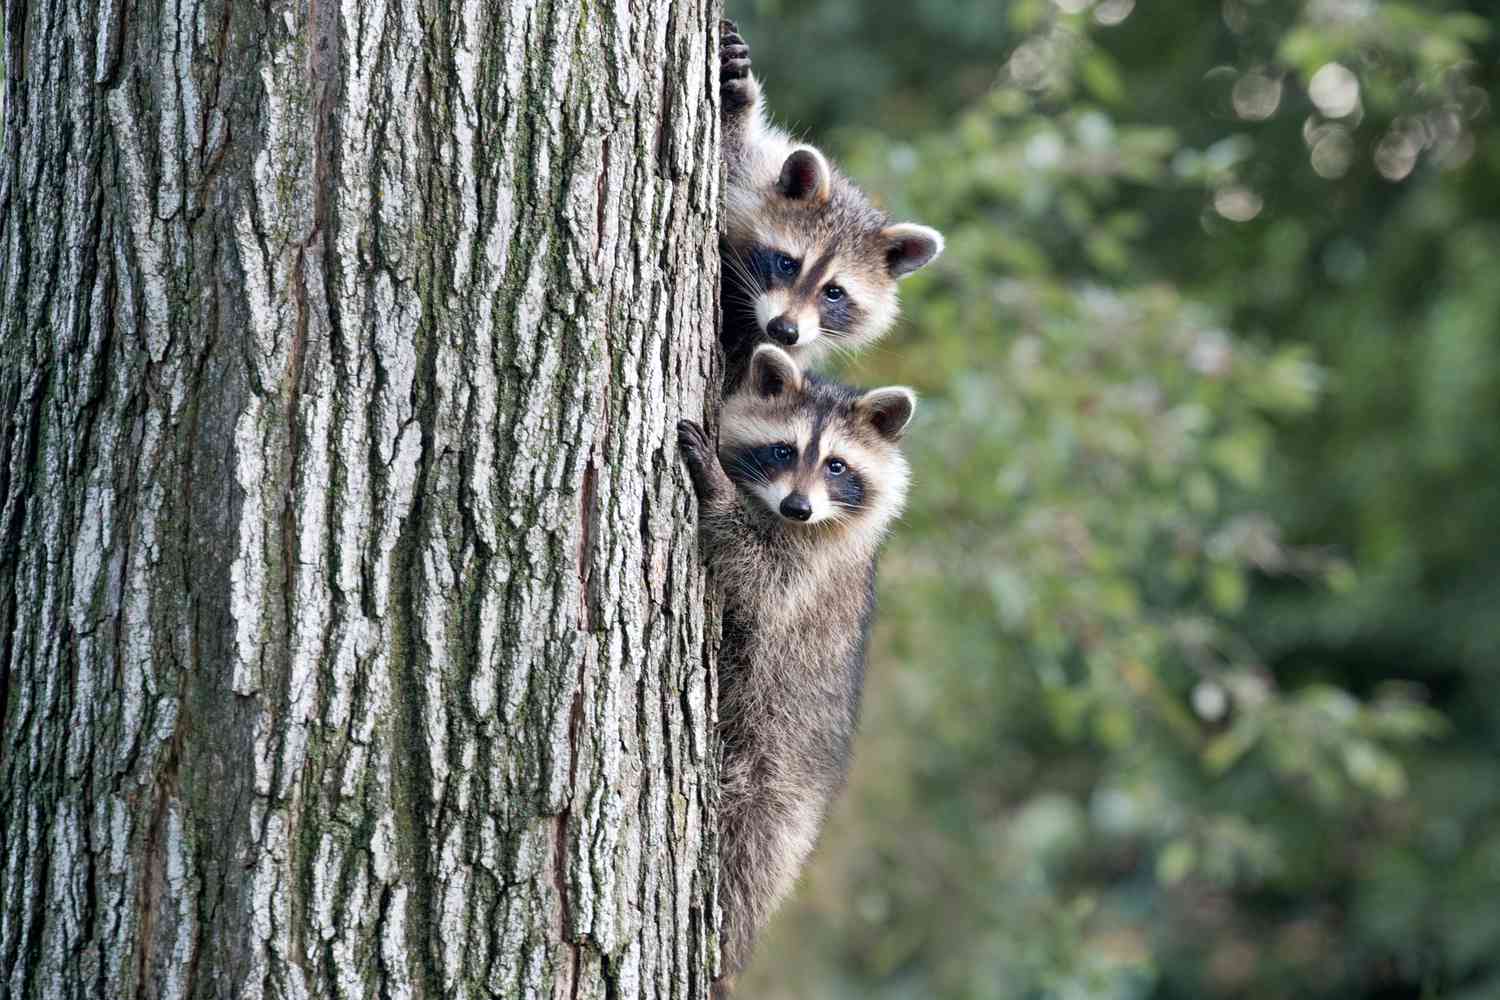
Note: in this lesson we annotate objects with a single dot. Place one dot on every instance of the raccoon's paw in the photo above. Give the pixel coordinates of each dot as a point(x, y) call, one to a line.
point(702, 461)
point(736, 85)
point(693, 440)
point(734, 54)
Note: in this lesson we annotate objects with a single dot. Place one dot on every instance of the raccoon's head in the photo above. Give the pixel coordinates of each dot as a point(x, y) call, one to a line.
point(815, 454)
point(813, 262)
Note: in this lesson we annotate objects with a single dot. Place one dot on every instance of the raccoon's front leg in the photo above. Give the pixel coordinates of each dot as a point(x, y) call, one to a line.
point(739, 92)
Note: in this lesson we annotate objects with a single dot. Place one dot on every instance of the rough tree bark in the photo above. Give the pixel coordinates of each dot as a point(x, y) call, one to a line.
point(352, 636)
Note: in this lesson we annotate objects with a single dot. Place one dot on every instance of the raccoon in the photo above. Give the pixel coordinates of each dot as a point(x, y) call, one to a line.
point(807, 478)
point(808, 261)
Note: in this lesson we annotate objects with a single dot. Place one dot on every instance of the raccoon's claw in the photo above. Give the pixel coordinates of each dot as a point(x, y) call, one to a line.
point(736, 88)
point(693, 441)
point(731, 42)
point(701, 459)
point(734, 61)
point(736, 94)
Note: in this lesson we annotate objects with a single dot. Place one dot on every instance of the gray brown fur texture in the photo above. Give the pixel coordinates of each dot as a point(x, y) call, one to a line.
point(792, 507)
point(808, 260)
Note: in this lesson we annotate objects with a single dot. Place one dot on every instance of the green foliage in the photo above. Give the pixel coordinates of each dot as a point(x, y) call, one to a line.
point(1179, 687)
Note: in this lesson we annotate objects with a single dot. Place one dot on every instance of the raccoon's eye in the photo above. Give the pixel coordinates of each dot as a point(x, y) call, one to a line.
point(783, 453)
point(834, 293)
point(836, 467)
point(786, 265)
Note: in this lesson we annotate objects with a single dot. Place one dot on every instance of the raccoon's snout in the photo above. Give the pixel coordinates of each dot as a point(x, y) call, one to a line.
point(783, 330)
point(796, 507)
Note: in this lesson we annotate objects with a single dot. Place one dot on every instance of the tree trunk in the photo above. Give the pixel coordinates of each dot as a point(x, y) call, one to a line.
point(353, 641)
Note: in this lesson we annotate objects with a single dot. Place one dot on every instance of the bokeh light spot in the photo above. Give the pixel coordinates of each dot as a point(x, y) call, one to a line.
point(1028, 64)
point(1335, 90)
point(1256, 96)
point(1211, 353)
point(1237, 203)
point(1112, 12)
point(1339, 11)
point(1044, 150)
point(1332, 152)
point(1210, 701)
point(1396, 155)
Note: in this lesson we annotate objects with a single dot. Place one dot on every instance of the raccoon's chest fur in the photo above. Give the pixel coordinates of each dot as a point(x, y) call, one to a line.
point(792, 665)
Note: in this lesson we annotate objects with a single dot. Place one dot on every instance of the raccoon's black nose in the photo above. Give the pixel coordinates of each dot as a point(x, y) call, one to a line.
point(796, 507)
point(782, 330)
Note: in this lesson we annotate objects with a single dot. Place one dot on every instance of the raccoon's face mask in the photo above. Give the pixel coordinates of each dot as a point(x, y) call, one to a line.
point(808, 452)
point(814, 263)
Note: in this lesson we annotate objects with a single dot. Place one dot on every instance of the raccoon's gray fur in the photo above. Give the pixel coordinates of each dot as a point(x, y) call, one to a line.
point(808, 261)
point(792, 507)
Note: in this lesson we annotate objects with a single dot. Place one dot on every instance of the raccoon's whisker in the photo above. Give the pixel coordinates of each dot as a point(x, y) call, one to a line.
point(748, 465)
point(749, 472)
point(740, 299)
point(742, 260)
point(754, 473)
point(834, 342)
point(740, 276)
point(740, 268)
point(837, 344)
point(741, 304)
point(878, 347)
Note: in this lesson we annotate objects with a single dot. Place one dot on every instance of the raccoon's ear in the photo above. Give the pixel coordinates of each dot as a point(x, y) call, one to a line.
point(888, 410)
point(773, 372)
point(910, 247)
point(805, 176)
